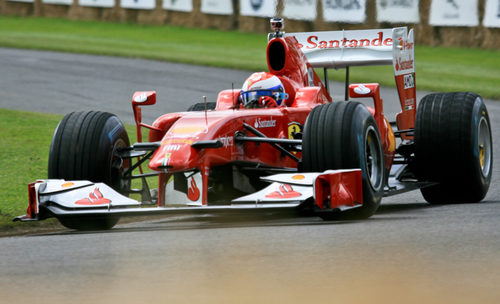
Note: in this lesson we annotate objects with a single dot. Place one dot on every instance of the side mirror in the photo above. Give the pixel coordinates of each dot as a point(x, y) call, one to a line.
point(372, 90)
point(144, 98)
point(364, 90)
point(141, 98)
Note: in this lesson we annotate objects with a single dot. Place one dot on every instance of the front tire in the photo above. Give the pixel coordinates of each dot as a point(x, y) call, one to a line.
point(453, 147)
point(344, 135)
point(84, 147)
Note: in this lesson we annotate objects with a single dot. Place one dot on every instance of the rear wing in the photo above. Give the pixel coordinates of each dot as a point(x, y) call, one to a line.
point(343, 49)
point(340, 49)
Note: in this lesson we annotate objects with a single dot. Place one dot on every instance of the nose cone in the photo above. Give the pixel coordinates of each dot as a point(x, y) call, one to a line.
point(174, 155)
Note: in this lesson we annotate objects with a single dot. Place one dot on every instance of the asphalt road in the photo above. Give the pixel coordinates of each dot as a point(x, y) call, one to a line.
point(408, 252)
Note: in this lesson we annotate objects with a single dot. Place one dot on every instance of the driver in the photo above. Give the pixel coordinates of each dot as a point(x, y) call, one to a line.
point(262, 90)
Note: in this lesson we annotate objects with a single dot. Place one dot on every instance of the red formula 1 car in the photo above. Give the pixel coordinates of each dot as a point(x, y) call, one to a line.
point(279, 142)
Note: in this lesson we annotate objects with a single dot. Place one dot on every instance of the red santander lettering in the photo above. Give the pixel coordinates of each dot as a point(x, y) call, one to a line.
point(313, 42)
point(377, 41)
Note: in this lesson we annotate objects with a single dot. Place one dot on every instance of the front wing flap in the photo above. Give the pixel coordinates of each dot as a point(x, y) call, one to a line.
point(332, 189)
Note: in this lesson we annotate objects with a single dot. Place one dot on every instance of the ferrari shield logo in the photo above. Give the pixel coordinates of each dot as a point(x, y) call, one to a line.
point(293, 128)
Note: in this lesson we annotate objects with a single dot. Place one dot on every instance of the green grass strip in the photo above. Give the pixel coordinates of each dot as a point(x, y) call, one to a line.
point(24, 146)
point(438, 69)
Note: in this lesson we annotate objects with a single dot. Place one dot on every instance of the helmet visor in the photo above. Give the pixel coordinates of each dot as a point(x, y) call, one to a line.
point(251, 98)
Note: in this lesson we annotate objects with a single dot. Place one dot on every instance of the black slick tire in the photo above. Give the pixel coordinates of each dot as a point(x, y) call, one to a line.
point(344, 135)
point(453, 147)
point(84, 147)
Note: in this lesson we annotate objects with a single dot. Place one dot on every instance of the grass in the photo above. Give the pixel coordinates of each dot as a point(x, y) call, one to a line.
point(24, 146)
point(438, 69)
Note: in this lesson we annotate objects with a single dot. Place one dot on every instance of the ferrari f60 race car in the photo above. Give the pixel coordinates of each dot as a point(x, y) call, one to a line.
point(279, 142)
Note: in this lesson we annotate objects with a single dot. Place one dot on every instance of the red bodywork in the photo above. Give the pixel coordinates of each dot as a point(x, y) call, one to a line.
point(178, 131)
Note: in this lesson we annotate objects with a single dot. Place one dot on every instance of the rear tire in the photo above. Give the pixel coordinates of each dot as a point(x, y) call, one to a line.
point(344, 135)
point(84, 147)
point(453, 147)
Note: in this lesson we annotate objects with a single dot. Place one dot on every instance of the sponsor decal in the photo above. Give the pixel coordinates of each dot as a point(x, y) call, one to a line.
point(409, 81)
point(377, 41)
point(227, 141)
point(188, 129)
point(95, 198)
point(67, 185)
point(409, 103)
point(260, 123)
point(404, 60)
point(404, 53)
point(141, 97)
point(174, 147)
point(284, 191)
point(190, 194)
point(298, 177)
point(166, 159)
point(405, 45)
point(177, 141)
point(193, 191)
point(362, 90)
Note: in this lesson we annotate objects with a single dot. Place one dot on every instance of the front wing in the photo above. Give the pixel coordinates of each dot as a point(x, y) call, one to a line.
point(330, 190)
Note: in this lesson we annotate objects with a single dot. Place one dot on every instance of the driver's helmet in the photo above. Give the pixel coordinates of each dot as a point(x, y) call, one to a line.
point(259, 87)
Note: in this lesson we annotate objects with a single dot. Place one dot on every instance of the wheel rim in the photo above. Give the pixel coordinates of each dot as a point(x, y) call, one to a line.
point(373, 157)
point(484, 146)
point(118, 168)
